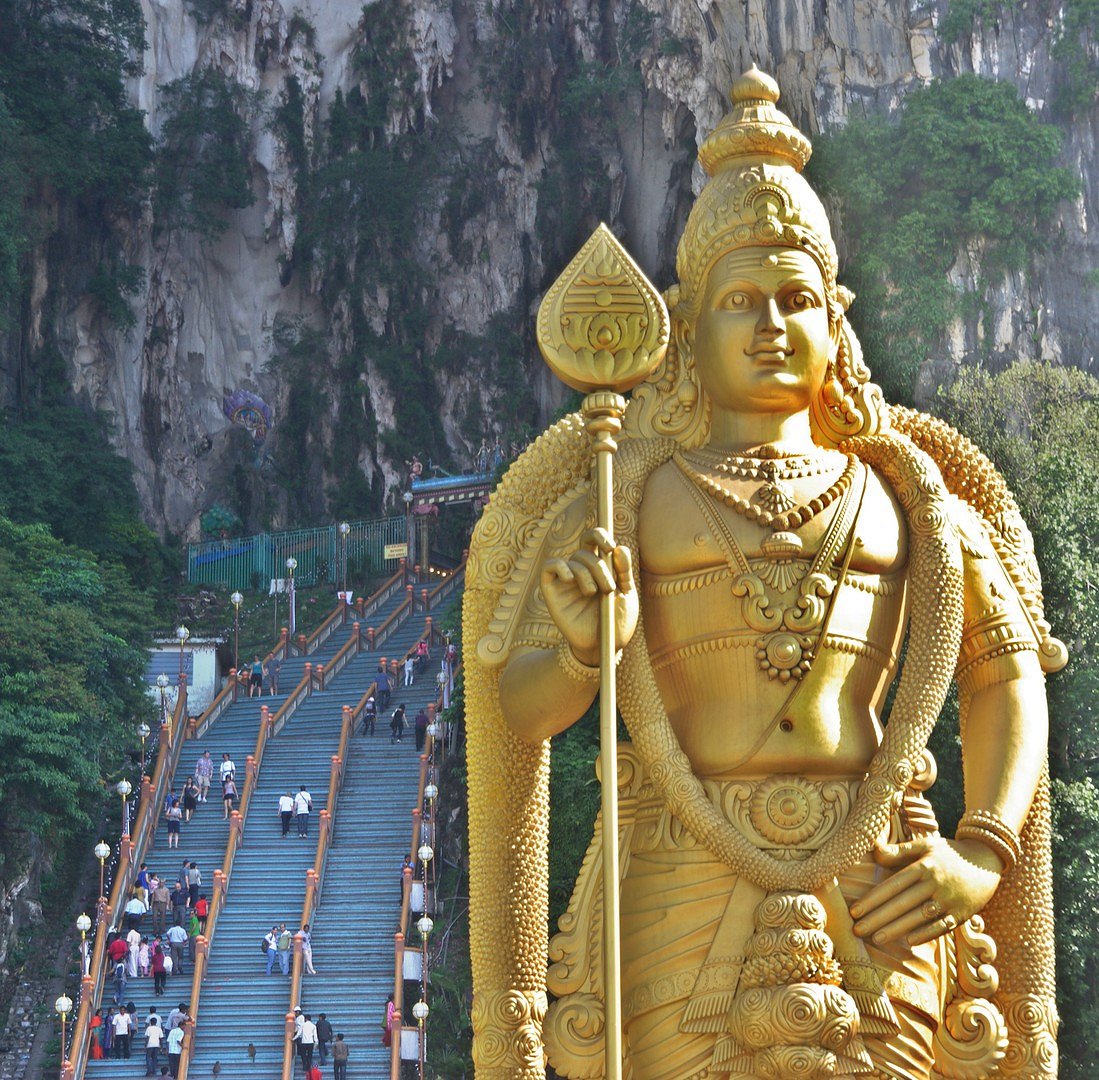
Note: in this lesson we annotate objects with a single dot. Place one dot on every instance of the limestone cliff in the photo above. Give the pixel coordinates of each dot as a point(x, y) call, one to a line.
point(499, 208)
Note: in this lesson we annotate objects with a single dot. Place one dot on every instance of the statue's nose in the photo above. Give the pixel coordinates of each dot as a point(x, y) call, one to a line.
point(770, 322)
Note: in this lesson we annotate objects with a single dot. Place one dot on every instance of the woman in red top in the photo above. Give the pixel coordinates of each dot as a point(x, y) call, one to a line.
point(160, 975)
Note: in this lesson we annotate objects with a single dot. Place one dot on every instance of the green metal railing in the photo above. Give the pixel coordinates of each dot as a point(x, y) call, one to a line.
point(323, 555)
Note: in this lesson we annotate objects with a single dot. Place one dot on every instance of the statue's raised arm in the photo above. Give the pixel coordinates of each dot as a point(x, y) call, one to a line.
point(789, 907)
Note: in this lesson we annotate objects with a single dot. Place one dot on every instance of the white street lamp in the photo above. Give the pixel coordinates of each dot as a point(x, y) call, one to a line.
point(124, 787)
point(102, 851)
point(162, 681)
point(83, 924)
point(237, 599)
point(291, 566)
point(183, 634)
point(64, 1006)
point(345, 529)
point(143, 732)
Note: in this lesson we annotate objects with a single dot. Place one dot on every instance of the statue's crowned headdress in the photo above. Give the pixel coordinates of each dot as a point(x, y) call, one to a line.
point(757, 196)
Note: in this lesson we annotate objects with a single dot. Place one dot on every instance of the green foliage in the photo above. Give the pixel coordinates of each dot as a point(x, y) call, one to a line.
point(1072, 47)
point(70, 681)
point(219, 521)
point(1037, 423)
point(1076, 894)
point(300, 357)
point(111, 285)
point(57, 467)
point(965, 165)
point(202, 166)
point(67, 131)
point(574, 799)
point(384, 61)
point(1074, 50)
point(961, 15)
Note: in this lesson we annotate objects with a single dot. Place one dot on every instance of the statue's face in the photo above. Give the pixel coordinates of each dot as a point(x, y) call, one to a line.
point(761, 342)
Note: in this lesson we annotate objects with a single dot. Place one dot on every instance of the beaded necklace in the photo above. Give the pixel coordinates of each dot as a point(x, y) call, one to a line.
point(775, 509)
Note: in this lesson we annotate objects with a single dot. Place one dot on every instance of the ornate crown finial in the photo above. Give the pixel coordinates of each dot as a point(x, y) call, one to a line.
point(755, 131)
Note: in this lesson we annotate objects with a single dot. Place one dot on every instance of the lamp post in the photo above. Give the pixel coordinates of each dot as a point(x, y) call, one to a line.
point(420, 1011)
point(102, 851)
point(345, 529)
point(84, 924)
point(64, 1006)
point(124, 787)
point(291, 566)
point(143, 732)
point(237, 600)
point(183, 634)
point(162, 681)
point(407, 496)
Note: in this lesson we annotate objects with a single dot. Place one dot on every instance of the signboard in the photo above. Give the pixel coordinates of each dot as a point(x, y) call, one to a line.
point(395, 551)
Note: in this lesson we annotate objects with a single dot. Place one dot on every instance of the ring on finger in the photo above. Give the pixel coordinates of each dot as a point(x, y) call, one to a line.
point(932, 909)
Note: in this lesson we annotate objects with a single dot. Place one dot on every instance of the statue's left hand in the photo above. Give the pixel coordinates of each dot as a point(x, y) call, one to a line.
point(936, 885)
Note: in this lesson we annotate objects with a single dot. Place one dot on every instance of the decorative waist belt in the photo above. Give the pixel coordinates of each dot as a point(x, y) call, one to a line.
point(788, 816)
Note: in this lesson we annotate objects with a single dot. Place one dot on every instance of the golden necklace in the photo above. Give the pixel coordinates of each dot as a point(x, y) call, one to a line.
point(775, 509)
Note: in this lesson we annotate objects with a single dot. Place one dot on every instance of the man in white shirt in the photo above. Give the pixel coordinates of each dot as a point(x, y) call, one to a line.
point(227, 770)
point(177, 939)
point(121, 1022)
point(204, 771)
point(308, 1043)
point(303, 803)
point(135, 910)
point(286, 811)
point(175, 1048)
point(154, 1036)
point(409, 670)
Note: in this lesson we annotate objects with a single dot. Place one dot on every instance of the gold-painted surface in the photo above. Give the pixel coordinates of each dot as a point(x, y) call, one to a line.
point(602, 325)
point(740, 791)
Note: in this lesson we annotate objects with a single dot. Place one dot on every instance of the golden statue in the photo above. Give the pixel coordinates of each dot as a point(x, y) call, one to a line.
point(784, 543)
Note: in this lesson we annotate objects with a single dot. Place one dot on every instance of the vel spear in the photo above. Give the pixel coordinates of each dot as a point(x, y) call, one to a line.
point(603, 328)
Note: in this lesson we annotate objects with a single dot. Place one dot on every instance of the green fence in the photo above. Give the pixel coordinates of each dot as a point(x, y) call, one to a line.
point(323, 556)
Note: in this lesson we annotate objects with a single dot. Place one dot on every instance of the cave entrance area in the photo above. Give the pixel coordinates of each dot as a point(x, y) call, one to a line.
point(430, 529)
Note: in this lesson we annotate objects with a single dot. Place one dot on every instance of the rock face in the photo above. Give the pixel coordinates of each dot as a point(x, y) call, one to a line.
point(485, 78)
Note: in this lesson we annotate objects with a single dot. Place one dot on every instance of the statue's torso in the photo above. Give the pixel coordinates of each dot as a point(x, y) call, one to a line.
point(731, 717)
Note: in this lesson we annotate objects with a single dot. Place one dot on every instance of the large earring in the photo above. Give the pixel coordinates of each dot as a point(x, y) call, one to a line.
point(671, 403)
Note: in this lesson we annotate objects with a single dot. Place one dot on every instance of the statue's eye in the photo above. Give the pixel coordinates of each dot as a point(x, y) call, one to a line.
point(801, 301)
point(737, 301)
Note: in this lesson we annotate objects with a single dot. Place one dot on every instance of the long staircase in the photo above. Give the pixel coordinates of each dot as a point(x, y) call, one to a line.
point(240, 1020)
point(202, 840)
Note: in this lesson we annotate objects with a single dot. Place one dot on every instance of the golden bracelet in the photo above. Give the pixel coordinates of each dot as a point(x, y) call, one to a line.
point(995, 833)
point(572, 667)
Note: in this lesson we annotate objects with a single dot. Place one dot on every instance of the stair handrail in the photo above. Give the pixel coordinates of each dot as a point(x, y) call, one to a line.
point(172, 737)
point(395, 581)
point(426, 768)
point(313, 879)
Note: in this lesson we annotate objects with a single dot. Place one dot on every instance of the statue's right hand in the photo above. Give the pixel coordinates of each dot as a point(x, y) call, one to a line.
point(573, 588)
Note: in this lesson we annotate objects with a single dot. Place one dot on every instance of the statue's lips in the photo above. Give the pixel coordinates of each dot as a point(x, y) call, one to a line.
point(771, 356)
